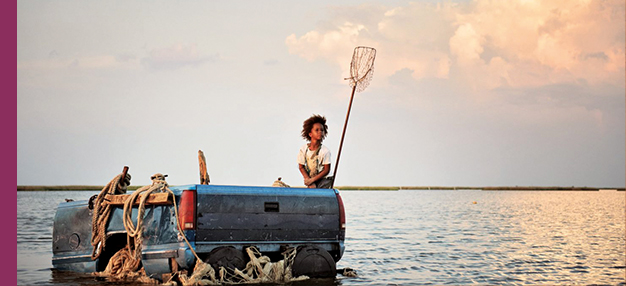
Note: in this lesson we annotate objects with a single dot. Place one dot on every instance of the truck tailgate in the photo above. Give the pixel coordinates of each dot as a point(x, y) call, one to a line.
point(266, 214)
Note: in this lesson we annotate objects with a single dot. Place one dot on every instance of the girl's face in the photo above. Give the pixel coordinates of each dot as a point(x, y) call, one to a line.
point(317, 132)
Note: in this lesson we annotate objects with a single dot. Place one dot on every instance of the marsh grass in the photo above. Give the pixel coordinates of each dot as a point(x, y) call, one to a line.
point(66, 188)
point(352, 188)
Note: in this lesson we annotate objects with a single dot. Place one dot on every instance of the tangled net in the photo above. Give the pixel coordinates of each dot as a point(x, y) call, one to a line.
point(362, 67)
point(259, 270)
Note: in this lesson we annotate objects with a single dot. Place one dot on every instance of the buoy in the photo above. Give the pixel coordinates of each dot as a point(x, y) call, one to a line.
point(474, 202)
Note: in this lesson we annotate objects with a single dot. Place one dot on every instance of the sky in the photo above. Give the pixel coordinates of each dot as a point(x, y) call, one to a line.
point(464, 93)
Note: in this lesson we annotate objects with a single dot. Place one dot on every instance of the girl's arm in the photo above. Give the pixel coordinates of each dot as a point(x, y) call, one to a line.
point(304, 173)
point(317, 177)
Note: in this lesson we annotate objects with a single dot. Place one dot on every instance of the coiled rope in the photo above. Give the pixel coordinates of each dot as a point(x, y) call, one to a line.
point(124, 264)
point(102, 211)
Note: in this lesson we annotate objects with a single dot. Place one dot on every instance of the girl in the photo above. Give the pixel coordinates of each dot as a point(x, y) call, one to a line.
point(314, 159)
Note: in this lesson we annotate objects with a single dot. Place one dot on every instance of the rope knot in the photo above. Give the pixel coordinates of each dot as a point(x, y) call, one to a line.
point(159, 179)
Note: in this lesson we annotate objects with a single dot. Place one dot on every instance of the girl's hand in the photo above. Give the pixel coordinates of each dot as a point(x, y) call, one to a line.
point(308, 181)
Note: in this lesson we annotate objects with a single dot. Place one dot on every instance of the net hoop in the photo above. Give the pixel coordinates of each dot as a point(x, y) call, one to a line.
point(362, 67)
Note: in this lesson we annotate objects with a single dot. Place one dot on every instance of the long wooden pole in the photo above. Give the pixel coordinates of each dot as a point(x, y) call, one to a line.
point(343, 134)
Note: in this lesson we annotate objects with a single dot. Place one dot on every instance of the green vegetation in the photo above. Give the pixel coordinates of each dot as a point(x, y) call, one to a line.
point(522, 188)
point(365, 188)
point(502, 188)
point(66, 188)
point(352, 188)
point(371, 188)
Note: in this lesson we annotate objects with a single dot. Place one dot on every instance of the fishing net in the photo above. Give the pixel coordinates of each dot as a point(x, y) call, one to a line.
point(361, 73)
point(362, 67)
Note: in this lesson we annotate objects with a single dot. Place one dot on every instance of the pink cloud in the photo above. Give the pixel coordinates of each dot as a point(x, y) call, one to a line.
point(488, 44)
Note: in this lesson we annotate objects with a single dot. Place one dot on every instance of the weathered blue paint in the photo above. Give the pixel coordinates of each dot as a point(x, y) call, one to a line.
point(240, 216)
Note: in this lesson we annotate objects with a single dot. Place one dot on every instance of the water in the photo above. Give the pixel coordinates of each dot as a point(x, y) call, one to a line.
point(424, 238)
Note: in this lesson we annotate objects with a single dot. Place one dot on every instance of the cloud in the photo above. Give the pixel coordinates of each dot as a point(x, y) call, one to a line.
point(412, 37)
point(325, 44)
point(172, 57)
point(466, 45)
point(547, 42)
point(92, 62)
point(482, 44)
point(98, 62)
point(176, 56)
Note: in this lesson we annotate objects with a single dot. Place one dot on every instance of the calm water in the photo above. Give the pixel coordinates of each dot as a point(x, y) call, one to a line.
point(425, 237)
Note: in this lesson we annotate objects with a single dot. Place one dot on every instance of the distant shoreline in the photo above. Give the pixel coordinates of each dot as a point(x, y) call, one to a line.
point(355, 188)
point(66, 188)
point(501, 188)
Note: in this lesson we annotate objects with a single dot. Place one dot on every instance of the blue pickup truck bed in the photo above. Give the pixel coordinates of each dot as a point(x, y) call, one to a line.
point(268, 218)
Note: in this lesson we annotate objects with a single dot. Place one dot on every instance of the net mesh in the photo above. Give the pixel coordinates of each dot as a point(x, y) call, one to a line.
point(362, 67)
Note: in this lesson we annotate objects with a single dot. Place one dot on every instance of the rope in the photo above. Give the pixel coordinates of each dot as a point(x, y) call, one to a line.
point(280, 183)
point(134, 237)
point(125, 264)
point(101, 214)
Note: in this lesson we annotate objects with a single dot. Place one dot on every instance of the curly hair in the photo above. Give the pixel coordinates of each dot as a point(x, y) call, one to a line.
point(308, 125)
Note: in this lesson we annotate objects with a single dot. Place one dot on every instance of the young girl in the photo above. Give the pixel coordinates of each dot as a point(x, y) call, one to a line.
point(314, 159)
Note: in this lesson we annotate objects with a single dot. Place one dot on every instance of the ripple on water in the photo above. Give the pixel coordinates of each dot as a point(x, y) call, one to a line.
point(425, 238)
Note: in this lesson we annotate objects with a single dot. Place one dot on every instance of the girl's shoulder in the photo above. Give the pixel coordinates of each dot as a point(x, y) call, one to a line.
point(304, 147)
point(324, 149)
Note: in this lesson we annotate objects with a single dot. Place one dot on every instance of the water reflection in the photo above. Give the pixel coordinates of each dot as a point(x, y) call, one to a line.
point(424, 237)
point(506, 237)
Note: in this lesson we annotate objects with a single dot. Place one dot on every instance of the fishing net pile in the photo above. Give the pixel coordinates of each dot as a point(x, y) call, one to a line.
point(258, 270)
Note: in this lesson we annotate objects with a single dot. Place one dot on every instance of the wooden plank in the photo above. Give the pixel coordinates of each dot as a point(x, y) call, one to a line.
point(153, 199)
point(204, 175)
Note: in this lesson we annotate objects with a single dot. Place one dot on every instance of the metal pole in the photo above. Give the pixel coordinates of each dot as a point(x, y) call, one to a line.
point(343, 134)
